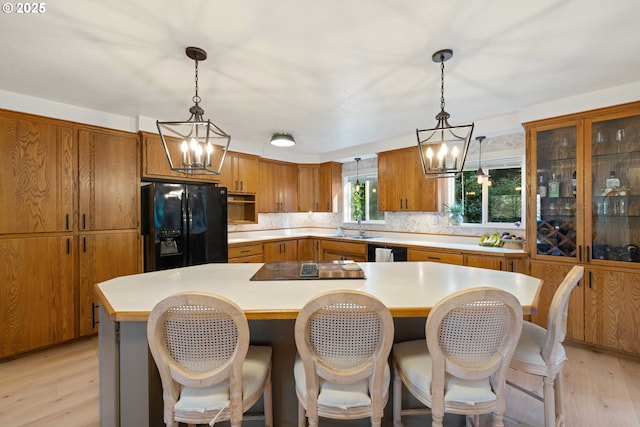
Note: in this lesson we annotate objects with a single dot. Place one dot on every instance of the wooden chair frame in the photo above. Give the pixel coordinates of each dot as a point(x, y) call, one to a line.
point(318, 369)
point(176, 368)
point(551, 369)
point(457, 357)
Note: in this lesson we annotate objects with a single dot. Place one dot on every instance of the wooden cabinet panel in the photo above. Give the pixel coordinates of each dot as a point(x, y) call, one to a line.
point(612, 309)
point(102, 257)
point(308, 249)
point(435, 256)
point(552, 275)
point(402, 185)
point(308, 188)
point(37, 178)
point(277, 186)
point(320, 187)
point(484, 261)
point(246, 253)
point(108, 190)
point(330, 187)
point(37, 298)
point(155, 163)
point(332, 250)
point(240, 173)
point(245, 250)
point(286, 250)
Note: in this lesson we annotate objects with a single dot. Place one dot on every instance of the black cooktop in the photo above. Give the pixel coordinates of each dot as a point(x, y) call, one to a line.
point(309, 270)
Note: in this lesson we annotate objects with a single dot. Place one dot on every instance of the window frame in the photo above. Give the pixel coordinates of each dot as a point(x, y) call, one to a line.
point(488, 165)
point(347, 181)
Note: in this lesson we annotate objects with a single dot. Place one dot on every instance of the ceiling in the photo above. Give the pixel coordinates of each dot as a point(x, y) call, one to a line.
point(333, 73)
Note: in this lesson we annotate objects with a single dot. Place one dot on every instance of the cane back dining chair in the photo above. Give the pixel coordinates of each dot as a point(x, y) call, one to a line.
point(540, 351)
point(342, 371)
point(461, 366)
point(209, 372)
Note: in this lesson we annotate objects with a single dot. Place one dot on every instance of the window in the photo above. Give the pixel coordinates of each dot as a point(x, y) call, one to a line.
point(496, 200)
point(362, 204)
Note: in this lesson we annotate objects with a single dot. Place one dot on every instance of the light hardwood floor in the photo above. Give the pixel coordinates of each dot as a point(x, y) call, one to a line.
point(59, 388)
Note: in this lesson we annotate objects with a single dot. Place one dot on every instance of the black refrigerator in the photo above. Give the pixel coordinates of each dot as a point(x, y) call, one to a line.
point(183, 224)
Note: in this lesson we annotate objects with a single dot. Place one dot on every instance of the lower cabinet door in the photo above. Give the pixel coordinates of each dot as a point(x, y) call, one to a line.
point(37, 299)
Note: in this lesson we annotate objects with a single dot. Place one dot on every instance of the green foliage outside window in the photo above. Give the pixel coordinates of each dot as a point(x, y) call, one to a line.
point(504, 196)
point(358, 202)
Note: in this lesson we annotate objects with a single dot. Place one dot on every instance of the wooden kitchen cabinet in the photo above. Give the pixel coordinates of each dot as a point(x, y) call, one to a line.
point(277, 186)
point(156, 166)
point(308, 188)
point(38, 175)
point(320, 187)
point(330, 187)
point(70, 184)
point(612, 309)
point(107, 169)
point(402, 185)
point(333, 250)
point(286, 250)
point(308, 249)
point(245, 253)
point(435, 256)
point(37, 298)
point(588, 219)
point(240, 173)
point(103, 256)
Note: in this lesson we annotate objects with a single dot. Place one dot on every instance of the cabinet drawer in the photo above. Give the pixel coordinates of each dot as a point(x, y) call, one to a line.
point(435, 256)
point(243, 259)
point(244, 251)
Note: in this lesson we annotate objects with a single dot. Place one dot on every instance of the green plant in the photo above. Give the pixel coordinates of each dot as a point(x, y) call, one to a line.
point(454, 208)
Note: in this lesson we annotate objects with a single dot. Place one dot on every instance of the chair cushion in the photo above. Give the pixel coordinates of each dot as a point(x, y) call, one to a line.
point(254, 371)
point(529, 349)
point(414, 361)
point(334, 395)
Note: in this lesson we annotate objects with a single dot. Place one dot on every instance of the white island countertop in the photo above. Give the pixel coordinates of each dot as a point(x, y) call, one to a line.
point(409, 289)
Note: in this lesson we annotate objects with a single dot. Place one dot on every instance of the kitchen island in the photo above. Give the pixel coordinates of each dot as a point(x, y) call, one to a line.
point(130, 391)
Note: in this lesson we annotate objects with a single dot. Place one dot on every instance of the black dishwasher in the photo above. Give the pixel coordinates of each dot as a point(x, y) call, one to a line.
point(399, 252)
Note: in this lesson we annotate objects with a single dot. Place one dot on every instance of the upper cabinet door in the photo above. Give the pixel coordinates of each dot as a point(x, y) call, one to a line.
point(109, 183)
point(613, 184)
point(37, 175)
point(555, 188)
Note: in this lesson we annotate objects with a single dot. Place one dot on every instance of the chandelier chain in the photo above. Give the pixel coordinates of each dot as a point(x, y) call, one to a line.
point(196, 98)
point(442, 83)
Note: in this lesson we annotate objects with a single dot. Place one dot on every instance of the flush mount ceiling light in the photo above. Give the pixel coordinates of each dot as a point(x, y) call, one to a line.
point(443, 149)
point(195, 146)
point(282, 140)
point(358, 185)
point(480, 175)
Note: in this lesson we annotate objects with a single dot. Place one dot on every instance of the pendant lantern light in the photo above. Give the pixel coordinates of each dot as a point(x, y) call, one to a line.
point(358, 185)
point(194, 146)
point(443, 149)
point(480, 175)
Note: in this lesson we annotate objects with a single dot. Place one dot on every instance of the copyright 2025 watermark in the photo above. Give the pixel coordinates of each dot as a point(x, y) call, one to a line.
point(24, 8)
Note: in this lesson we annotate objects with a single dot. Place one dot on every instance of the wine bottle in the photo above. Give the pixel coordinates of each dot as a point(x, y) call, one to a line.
point(574, 182)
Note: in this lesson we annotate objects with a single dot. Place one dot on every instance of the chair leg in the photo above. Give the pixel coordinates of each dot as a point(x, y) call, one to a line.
point(397, 399)
point(268, 404)
point(549, 402)
point(302, 418)
point(558, 400)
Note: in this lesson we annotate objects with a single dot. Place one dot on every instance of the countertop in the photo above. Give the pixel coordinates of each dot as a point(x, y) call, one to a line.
point(455, 243)
point(409, 289)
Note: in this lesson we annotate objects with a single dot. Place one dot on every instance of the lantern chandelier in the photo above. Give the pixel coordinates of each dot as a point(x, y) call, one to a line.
point(195, 146)
point(443, 149)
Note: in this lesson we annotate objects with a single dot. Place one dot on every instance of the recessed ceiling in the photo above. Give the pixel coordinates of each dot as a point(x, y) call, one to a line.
point(333, 73)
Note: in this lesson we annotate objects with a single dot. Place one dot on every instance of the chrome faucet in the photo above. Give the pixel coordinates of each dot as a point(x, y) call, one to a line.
point(361, 231)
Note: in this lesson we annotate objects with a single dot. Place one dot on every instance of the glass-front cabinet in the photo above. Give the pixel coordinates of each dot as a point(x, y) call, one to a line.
point(584, 187)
